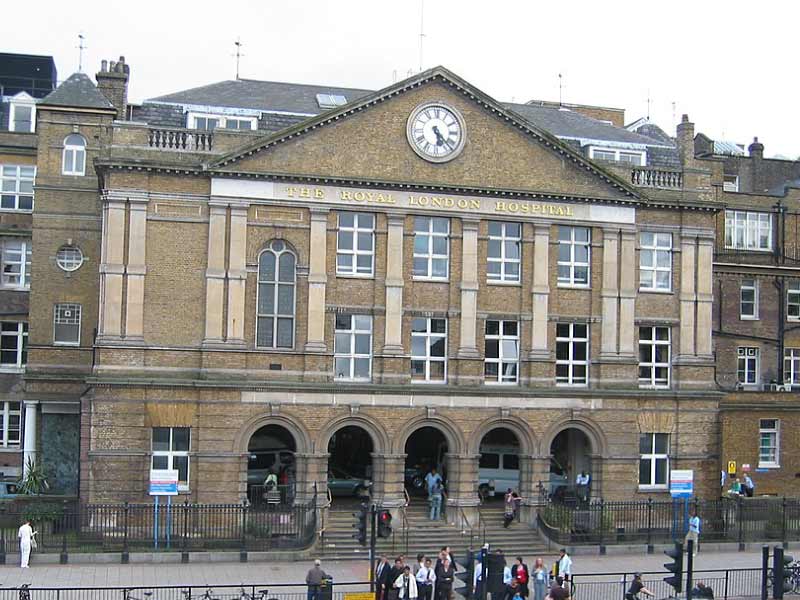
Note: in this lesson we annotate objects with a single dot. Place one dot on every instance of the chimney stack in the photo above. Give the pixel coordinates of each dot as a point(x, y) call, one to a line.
point(112, 81)
point(756, 149)
point(685, 135)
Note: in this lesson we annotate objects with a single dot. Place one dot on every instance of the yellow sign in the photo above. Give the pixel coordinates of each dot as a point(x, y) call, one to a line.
point(731, 467)
point(359, 596)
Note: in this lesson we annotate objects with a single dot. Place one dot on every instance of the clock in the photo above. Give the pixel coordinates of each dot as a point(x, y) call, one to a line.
point(436, 132)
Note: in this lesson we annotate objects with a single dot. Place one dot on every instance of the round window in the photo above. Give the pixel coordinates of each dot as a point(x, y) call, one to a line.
point(69, 258)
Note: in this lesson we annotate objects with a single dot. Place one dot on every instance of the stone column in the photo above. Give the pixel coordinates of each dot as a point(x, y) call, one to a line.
point(317, 281)
point(215, 272)
point(528, 488)
point(136, 269)
point(388, 481)
point(29, 441)
point(112, 268)
point(627, 294)
point(688, 293)
point(310, 469)
point(705, 259)
point(393, 343)
point(237, 272)
point(540, 292)
point(610, 292)
point(462, 486)
point(469, 288)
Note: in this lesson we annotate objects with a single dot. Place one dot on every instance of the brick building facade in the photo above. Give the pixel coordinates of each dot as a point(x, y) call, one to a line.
point(285, 274)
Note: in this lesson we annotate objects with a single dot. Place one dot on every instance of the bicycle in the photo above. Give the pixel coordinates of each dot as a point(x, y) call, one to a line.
point(187, 595)
point(794, 576)
point(24, 592)
point(126, 595)
point(260, 594)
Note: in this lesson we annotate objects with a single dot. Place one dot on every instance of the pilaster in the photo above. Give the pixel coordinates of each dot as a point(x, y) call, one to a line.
point(540, 292)
point(237, 273)
point(627, 295)
point(215, 272)
point(610, 293)
point(317, 281)
point(136, 269)
point(688, 293)
point(29, 441)
point(394, 286)
point(388, 479)
point(469, 289)
point(112, 268)
point(705, 258)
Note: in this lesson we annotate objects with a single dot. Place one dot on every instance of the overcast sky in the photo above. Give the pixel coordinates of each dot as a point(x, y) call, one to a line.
point(731, 65)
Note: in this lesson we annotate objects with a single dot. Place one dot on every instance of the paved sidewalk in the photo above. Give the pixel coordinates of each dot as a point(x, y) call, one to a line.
point(270, 573)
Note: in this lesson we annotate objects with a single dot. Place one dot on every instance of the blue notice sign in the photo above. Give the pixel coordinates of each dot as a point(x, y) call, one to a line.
point(164, 482)
point(681, 483)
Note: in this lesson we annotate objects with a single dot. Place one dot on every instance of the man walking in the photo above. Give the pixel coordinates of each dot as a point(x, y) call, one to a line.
point(436, 499)
point(582, 486)
point(694, 531)
point(425, 580)
point(430, 479)
point(565, 567)
point(395, 572)
point(749, 486)
point(381, 577)
point(314, 580)
point(444, 579)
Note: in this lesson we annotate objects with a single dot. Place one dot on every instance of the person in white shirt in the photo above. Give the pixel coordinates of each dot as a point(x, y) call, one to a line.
point(565, 566)
point(582, 485)
point(26, 537)
point(407, 585)
point(425, 580)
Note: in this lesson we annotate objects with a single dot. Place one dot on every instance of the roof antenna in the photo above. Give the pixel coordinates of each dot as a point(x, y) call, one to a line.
point(560, 90)
point(648, 104)
point(421, 30)
point(81, 48)
point(673, 111)
point(239, 54)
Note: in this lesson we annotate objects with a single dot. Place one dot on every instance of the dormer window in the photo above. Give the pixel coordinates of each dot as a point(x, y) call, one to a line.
point(331, 100)
point(635, 158)
point(210, 122)
point(22, 114)
point(74, 159)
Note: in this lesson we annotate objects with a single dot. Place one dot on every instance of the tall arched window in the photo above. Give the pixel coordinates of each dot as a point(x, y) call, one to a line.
point(74, 159)
point(276, 297)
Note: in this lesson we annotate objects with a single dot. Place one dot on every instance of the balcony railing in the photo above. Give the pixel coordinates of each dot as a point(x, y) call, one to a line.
point(181, 140)
point(657, 178)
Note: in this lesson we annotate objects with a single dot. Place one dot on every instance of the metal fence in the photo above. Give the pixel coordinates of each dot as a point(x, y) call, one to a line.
point(183, 527)
point(725, 583)
point(248, 591)
point(724, 520)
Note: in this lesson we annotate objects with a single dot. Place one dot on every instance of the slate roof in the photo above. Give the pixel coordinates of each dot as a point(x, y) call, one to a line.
point(261, 95)
point(730, 148)
point(569, 124)
point(78, 91)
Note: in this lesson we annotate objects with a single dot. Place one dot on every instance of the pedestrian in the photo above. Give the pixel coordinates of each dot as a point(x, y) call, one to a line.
point(477, 580)
point(314, 580)
point(27, 540)
point(693, 533)
point(419, 564)
point(444, 580)
point(557, 590)
point(510, 583)
point(395, 572)
point(637, 587)
point(701, 590)
point(508, 508)
point(521, 573)
point(582, 486)
point(749, 486)
point(435, 499)
point(565, 566)
point(382, 577)
point(426, 579)
point(430, 479)
point(540, 580)
point(736, 487)
point(406, 585)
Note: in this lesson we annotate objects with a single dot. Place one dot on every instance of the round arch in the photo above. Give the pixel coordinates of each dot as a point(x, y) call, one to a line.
point(454, 437)
point(526, 437)
point(301, 437)
point(380, 439)
point(597, 440)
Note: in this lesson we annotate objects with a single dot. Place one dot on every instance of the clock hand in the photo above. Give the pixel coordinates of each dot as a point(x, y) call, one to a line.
point(439, 137)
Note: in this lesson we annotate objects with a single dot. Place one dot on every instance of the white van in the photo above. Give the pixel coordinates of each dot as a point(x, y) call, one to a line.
point(498, 470)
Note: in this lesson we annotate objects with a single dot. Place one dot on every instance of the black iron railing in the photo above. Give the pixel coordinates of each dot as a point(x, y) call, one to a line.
point(725, 520)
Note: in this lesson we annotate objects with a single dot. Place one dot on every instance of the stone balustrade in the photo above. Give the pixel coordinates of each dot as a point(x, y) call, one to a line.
point(186, 140)
point(657, 178)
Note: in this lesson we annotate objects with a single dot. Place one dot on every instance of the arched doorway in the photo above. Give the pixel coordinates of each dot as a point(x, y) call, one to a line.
point(271, 454)
point(570, 456)
point(350, 475)
point(499, 464)
point(425, 449)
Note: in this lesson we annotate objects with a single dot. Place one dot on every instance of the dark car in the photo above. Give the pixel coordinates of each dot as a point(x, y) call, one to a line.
point(341, 483)
point(415, 480)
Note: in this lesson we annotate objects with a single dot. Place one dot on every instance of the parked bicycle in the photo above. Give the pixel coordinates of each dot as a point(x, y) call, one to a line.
point(128, 595)
point(259, 594)
point(207, 595)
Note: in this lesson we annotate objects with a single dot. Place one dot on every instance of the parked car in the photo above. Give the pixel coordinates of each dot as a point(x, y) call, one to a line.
point(9, 489)
point(341, 483)
point(415, 480)
point(260, 462)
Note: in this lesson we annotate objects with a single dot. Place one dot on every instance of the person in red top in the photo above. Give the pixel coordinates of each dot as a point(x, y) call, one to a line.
point(520, 572)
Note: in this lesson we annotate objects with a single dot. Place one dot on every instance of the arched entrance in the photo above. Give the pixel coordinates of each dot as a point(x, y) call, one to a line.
point(350, 469)
point(499, 464)
point(271, 454)
point(570, 456)
point(425, 449)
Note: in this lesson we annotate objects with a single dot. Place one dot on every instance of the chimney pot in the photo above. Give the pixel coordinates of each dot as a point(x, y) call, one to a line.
point(685, 118)
point(756, 149)
point(103, 66)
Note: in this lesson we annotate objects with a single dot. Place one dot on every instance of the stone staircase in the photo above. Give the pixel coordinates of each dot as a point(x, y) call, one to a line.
point(427, 537)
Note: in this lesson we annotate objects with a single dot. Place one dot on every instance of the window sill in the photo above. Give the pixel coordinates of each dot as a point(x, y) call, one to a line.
point(17, 210)
point(354, 276)
point(430, 279)
point(68, 344)
point(654, 387)
point(654, 488)
point(746, 318)
point(348, 380)
point(656, 291)
point(423, 382)
point(501, 383)
point(768, 466)
point(15, 288)
point(572, 385)
point(504, 283)
point(5, 369)
point(10, 449)
point(574, 286)
point(758, 250)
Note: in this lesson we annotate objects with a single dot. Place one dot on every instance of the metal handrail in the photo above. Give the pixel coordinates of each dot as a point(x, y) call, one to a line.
point(466, 525)
point(408, 498)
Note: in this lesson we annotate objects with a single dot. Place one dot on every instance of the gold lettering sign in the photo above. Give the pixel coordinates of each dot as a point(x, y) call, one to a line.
point(534, 208)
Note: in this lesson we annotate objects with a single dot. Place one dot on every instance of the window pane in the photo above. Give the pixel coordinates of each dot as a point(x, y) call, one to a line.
point(418, 346)
point(439, 267)
point(494, 249)
point(644, 471)
point(285, 299)
point(287, 267)
point(266, 298)
point(512, 249)
point(362, 368)
point(266, 267)
point(662, 443)
point(285, 333)
point(341, 343)
point(342, 368)
point(509, 328)
point(181, 463)
point(492, 349)
point(418, 369)
point(661, 471)
point(645, 443)
point(420, 267)
point(439, 245)
point(264, 333)
point(437, 371)
point(365, 241)
point(343, 321)
point(180, 439)
point(437, 347)
point(362, 343)
point(509, 349)
point(492, 327)
point(363, 322)
point(490, 370)
point(419, 325)
point(345, 240)
point(161, 462)
point(160, 439)
point(441, 225)
point(438, 326)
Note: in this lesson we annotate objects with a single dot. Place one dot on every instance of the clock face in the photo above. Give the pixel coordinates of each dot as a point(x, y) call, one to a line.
point(436, 132)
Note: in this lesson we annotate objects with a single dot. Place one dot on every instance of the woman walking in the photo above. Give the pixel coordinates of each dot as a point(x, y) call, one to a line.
point(540, 579)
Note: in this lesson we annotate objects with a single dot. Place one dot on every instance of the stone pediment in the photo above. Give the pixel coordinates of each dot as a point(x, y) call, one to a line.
point(370, 141)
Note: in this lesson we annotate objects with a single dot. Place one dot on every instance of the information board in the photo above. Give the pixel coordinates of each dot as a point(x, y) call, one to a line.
point(163, 482)
point(681, 483)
